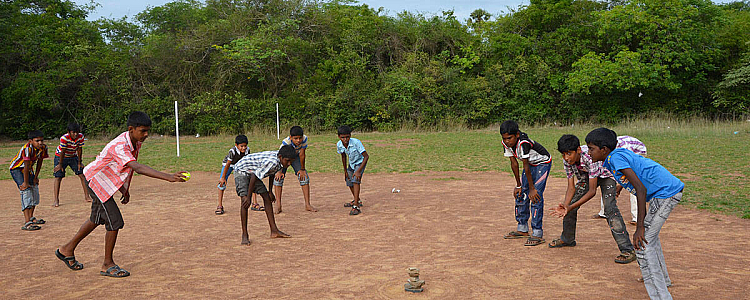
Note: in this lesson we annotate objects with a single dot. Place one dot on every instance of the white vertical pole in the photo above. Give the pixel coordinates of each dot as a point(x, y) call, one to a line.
point(177, 128)
point(278, 132)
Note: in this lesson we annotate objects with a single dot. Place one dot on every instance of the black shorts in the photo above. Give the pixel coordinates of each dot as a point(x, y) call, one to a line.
point(242, 184)
point(107, 213)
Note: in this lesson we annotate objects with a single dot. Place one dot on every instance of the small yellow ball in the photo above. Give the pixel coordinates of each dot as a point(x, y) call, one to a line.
point(186, 175)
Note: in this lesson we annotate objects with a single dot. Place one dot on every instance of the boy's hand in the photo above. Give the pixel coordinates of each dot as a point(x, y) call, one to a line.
point(639, 241)
point(346, 176)
point(81, 166)
point(124, 199)
point(23, 186)
point(222, 182)
point(358, 175)
point(516, 192)
point(57, 168)
point(302, 176)
point(178, 177)
point(279, 176)
point(560, 211)
point(534, 196)
point(36, 180)
point(272, 196)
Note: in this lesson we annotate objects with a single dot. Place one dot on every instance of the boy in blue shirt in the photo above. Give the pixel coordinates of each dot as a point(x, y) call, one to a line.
point(349, 146)
point(651, 183)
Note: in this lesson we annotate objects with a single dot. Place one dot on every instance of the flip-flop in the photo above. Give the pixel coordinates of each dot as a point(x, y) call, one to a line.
point(534, 241)
point(355, 211)
point(350, 204)
point(625, 258)
point(37, 221)
point(516, 235)
point(557, 243)
point(219, 210)
point(69, 261)
point(118, 272)
point(257, 207)
point(29, 226)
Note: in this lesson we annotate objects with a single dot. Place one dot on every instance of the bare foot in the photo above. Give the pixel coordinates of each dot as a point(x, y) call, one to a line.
point(277, 209)
point(245, 241)
point(279, 234)
point(55, 204)
point(310, 208)
point(87, 199)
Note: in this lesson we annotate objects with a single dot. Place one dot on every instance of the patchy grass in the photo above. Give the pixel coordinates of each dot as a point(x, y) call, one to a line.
point(708, 156)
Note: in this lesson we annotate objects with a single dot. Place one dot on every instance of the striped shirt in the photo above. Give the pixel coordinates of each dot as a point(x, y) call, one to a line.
point(70, 145)
point(262, 164)
point(288, 141)
point(30, 154)
point(586, 167)
point(109, 171)
point(234, 155)
point(527, 148)
point(632, 144)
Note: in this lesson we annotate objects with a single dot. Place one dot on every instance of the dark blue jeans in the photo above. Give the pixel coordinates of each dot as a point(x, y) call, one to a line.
point(524, 208)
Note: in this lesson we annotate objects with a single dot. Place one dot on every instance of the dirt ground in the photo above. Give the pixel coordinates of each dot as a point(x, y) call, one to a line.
point(449, 225)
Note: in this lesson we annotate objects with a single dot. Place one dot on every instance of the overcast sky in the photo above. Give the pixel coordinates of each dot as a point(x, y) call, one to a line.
point(462, 8)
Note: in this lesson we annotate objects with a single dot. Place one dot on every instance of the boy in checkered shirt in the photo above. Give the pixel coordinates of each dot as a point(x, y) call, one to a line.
point(70, 154)
point(112, 171)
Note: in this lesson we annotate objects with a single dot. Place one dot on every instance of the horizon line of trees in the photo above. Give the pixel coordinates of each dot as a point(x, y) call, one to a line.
point(227, 62)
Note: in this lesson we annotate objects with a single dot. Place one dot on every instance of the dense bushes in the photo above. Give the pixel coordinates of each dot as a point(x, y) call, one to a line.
point(227, 62)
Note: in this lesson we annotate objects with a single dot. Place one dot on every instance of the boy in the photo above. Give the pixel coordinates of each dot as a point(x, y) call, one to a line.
point(235, 154)
point(70, 154)
point(112, 171)
point(358, 157)
point(250, 171)
point(652, 183)
point(298, 140)
point(34, 151)
point(536, 166)
point(635, 145)
point(578, 163)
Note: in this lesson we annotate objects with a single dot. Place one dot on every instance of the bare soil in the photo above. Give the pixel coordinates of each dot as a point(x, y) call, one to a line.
point(447, 224)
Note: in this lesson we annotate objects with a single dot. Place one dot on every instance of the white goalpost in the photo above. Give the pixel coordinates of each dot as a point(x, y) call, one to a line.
point(177, 128)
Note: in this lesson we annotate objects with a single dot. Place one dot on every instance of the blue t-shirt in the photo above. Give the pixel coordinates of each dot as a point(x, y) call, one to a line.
point(354, 152)
point(658, 181)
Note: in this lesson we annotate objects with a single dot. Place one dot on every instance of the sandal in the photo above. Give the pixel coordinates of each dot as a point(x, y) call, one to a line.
point(355, 211)
point(516, 235)
point(115, 271)
point(534, 241)
point(219, 210)
point(69, 261)
point(257, 207)
point(350, 204)
point(625, 257)
point(37, 221)
point(558, 243)
point(30, 226)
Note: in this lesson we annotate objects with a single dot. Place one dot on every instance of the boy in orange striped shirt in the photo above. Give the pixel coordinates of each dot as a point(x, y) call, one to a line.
point(28, 183)
point(70, 154)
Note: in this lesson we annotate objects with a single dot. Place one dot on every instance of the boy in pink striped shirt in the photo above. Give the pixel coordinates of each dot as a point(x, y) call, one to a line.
point(111, 172)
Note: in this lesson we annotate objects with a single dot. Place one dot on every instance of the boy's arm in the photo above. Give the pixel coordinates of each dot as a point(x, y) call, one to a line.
point(343, 161)
point(270, 189)
point(586, 197)
point(358, 172)
point(58, 167)
point(26, 170)
point(639, 240)
point(533, 194)
point(38, 169)
point(80, 158)
point(570, 191)
point(222, 180)
point(514, 167)
point(302, 164)
point(148, 171)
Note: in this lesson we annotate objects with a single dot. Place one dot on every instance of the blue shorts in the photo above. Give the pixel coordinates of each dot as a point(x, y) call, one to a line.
point(71, 161)
point(29, 196)
point(352, 180)
point(229, 171)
